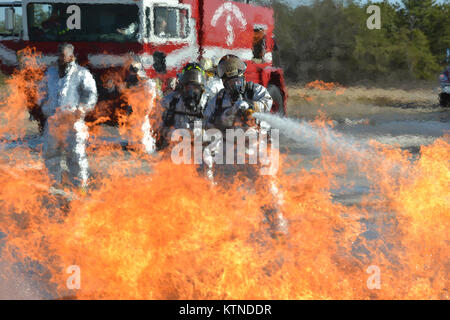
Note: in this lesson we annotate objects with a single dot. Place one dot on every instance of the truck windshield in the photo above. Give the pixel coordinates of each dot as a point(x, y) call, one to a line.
point(98, 22)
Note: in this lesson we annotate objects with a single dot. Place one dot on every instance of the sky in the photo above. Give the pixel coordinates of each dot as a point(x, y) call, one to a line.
point(296, 2)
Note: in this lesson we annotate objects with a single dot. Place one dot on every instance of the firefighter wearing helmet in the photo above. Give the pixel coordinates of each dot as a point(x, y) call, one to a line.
point(238, 96)
point(185, 106)
point(231, 108)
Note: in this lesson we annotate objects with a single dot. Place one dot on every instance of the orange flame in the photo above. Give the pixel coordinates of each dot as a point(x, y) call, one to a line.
point(150, 229)
point(321, 85)
point(21, 94)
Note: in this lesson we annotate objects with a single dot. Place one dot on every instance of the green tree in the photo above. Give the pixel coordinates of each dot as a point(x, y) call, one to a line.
point(432, 20)
point(329, 40)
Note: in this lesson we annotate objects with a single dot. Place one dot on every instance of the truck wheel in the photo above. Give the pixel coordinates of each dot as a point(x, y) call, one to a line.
point(278, 102)
point(444, 100)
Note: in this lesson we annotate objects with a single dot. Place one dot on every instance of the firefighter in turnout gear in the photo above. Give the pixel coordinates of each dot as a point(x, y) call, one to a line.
point(238, 96)
point(232, 108)
point(185, 106)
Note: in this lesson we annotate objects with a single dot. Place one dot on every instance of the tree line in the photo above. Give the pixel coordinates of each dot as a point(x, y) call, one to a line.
point(329, 40)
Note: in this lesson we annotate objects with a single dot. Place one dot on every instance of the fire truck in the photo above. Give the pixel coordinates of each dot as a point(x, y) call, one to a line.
point(164, 34)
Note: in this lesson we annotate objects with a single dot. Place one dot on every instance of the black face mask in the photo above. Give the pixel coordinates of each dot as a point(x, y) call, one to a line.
point(132, 79)
point(191, 96)
point(235, 87)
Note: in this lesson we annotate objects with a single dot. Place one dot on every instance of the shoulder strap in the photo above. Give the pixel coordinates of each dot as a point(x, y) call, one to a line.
point(250, 90)
point(173, 103)
point(220, 97)
point(170, 113)
point(219, 104)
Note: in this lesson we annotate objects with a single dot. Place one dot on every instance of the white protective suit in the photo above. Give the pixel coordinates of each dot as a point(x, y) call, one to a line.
point(148, 139)
point(182, 117)
point(213, 86)
point(142, 125)
point(177, 116)
point(60, 100)
point(258, 98)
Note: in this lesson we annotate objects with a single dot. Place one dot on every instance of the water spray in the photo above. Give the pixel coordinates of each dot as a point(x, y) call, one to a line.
point(305, 133)
point(320, 138)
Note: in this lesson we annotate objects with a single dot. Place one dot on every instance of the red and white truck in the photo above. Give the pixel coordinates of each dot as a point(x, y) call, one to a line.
point(165, 34)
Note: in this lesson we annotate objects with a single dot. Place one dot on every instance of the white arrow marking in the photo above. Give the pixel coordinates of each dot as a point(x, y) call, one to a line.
point(229, 9)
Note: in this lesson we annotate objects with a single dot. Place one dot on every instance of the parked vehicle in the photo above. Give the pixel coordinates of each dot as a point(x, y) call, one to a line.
point(444, 95)
point(164, 35)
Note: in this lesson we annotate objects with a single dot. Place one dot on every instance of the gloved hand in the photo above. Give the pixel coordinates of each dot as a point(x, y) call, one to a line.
point(228, 117)
point(241, 106)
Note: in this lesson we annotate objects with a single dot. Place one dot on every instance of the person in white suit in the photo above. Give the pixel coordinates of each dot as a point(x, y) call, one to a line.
point(68, 92)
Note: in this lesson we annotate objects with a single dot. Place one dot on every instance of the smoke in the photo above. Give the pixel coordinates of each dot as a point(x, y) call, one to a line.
point(318, 137)
point(16, 286)
point(362, 159)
